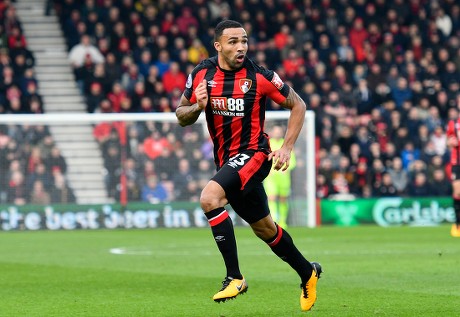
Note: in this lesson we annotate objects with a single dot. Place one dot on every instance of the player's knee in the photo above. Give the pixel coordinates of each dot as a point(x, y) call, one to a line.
point(208, 201)
point(212, 197)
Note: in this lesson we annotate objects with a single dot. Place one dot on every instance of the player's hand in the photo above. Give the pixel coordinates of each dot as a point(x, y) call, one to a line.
point(201, 94)
point(280, 158)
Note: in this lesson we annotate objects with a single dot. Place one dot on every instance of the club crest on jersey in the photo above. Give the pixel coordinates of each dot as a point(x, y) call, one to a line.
point(277, 82)
point(245, 85)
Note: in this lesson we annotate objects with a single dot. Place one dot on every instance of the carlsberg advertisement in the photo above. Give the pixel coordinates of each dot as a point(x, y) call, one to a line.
point(387, 212)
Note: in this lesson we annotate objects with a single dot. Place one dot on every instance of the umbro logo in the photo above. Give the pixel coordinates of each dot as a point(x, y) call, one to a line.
point(212, 83)
point(219, 238)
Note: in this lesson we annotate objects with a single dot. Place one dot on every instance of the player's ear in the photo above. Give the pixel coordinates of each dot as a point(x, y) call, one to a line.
point(217, 46)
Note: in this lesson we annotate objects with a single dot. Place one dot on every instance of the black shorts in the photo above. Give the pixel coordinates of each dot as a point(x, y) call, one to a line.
point(455, 175)
point(241, 178)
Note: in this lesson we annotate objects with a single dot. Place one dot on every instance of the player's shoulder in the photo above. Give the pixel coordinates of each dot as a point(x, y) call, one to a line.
point(259, 69)
point(270, 75)
point(207, 63)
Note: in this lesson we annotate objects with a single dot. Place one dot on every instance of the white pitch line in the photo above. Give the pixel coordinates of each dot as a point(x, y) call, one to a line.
point(126, 251)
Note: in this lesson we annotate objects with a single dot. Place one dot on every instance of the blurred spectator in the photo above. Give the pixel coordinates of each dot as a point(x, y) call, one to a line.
point(197, 52)
point(60, 191)
point(440, 185)
point(322, 187)
point(39, 195)
point(153, 192)
point(181, 177)
point(173, 78)
point(56, 161)
point(398, 176)
point(419, 186)
point(79, 54)
point(17, 191)
point(154, 145)
point(386, 188)
point(409, 154)
point(95, 96)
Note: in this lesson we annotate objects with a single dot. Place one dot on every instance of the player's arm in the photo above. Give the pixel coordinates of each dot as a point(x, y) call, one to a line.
point(297, 106)
point(186, 112)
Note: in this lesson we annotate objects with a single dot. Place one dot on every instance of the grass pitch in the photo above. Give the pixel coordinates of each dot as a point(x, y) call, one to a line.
point(368, 271)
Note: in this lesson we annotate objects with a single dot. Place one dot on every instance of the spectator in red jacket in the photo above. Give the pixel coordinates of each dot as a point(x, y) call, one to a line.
point(173, 78)
point(358, 34)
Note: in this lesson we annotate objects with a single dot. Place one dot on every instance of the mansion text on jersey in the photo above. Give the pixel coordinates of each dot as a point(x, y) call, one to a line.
point(228, 113)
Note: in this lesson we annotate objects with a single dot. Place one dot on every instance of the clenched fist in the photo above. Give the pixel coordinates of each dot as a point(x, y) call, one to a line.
point(201, 94)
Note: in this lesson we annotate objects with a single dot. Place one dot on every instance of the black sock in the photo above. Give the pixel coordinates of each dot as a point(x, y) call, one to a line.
point(457, 211)
point(222, 230)
point(283, 246)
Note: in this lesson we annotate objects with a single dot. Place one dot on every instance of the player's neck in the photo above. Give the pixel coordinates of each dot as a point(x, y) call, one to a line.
point(224, 66)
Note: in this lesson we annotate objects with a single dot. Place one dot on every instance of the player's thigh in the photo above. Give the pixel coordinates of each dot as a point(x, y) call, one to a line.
point(251, 206)
point(242, 172)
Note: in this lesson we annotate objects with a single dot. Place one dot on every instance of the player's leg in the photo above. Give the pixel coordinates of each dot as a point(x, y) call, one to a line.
point(455, 231)
point(213, 199)
point(253, 208)
point(212, 202)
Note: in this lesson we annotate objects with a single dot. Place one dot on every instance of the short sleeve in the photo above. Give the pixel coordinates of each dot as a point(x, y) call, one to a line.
point(273, 86)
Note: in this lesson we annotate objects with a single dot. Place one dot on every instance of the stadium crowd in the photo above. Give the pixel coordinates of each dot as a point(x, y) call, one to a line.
point(32, 169)
point(382, 77)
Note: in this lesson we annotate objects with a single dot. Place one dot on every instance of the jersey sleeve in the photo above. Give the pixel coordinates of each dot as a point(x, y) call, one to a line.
point(273, 86)
point(193, 79)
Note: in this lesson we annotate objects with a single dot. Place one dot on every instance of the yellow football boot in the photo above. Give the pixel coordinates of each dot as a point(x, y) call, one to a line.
point(308, 294)
point(455, 231)
point(231, 287)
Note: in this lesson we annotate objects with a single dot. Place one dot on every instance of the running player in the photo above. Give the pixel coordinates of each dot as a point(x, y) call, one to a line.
point(232, 90)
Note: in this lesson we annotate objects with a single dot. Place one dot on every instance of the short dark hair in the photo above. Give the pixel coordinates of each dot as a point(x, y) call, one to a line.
point(226, 24)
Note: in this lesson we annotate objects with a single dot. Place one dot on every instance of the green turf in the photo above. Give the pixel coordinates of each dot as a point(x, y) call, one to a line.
point(369, 271)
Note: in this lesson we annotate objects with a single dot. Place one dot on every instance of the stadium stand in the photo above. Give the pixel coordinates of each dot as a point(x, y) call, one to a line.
point(32, 168)
point(381, 76)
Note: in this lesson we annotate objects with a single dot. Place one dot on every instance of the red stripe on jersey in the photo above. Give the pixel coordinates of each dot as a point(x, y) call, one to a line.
point(279, 234)
point(218, 219)
point(251, 167)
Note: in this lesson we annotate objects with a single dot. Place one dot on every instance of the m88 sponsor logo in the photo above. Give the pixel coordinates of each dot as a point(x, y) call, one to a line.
point(227, 106)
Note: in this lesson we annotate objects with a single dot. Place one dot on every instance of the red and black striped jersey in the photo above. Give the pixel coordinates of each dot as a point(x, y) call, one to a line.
point(453, 131)
point(235, 112)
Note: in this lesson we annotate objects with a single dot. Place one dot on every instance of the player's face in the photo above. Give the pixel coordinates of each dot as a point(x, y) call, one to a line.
point(232, 48)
